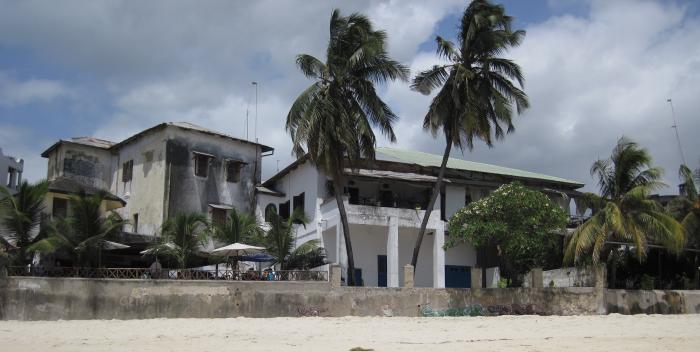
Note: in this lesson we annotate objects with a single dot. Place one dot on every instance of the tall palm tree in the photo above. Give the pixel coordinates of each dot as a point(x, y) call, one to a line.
point(238, 227)
point(626, 214)
point(686, 208)
point(84, 233)
point(279, 239)
point(21, 214)
point(182, 238)
point(477, 92)
point(332, 119)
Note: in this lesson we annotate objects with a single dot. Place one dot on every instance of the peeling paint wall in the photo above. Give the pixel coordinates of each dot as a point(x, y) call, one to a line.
point(187, 192)
point(87, 165)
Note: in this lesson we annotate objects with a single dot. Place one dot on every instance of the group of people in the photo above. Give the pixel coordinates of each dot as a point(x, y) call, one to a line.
point(266, 275)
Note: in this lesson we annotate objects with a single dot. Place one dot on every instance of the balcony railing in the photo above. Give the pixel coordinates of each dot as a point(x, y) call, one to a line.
point(169, 274)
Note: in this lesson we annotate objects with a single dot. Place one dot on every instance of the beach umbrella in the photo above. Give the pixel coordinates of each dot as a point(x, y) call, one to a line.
point(257, 258)
point(110, 246)
point(236, 249)
point(155, 250)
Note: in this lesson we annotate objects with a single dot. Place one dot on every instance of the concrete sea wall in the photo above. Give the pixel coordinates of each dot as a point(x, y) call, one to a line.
point(33, 298)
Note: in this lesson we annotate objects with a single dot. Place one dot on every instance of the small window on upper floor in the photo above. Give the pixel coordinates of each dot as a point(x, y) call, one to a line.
point(218, 216)
point(201, 164)
point(127, 171)
point(233, 170)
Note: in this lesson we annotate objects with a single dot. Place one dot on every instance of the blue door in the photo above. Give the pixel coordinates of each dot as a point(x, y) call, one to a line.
point(458, 276)
point(381, 270)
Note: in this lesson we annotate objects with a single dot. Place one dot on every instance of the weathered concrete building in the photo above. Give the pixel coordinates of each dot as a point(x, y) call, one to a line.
point(10, 172)
point(158, 173)
point(384, 202)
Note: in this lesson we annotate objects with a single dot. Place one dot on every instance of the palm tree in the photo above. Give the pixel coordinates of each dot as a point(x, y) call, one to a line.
point(21, 214)
point(182, 238)
point(333, 118)
point(238, 227)
point(279, 239)
point(477, 92)
point(84, 233)
point(626, 214)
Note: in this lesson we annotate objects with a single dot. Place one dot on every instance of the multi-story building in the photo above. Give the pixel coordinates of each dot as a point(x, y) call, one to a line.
point(10, 172)
point(157, 173)
point(384, 201)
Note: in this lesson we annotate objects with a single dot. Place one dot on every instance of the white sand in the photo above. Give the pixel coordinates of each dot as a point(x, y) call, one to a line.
point(511, 333)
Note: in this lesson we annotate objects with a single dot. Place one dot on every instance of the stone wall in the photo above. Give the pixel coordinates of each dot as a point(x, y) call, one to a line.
point(31, 298)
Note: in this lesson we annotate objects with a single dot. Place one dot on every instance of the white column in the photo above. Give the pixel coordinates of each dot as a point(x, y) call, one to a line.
point(342, 254)
point(392, 253)
point(319, 223)
point(439, 256)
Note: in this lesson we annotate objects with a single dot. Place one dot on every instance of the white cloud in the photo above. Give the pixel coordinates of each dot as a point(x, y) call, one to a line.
point(14, 92)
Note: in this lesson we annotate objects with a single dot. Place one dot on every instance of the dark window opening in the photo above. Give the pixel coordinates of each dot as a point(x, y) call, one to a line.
point(269, 210)
point(233, 171)
point(284, 210)
point(60, 208)
point(386, 198)
point(354, 195)
point(467, 197)
point(135, 224)
point(127, 171)
point(218, 216)
point(201, 165)
point(298, 203)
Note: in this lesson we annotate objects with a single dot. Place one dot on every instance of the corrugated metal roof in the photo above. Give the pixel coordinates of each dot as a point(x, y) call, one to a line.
point(433, 160)
point(93, 142)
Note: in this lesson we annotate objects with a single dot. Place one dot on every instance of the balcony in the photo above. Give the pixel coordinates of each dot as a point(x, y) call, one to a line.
point(379, 215)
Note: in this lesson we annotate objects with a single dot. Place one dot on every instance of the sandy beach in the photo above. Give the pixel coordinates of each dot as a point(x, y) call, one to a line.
point(506, 333)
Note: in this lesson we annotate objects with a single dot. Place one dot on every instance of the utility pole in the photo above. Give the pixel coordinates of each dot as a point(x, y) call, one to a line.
point(675, 128)
point(255, 130)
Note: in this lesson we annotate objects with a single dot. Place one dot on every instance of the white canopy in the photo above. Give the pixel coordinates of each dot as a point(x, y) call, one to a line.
point(170, 245)
point(109, 245)
point(236, 249)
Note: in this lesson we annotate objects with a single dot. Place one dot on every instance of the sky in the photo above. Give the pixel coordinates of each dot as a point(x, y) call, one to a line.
point(594, 71)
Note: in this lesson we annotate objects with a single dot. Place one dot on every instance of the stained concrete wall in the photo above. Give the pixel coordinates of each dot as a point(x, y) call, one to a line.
point(23, 298)
point(75, 298)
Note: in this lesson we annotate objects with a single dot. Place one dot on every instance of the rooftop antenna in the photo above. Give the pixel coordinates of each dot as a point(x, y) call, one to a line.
point(675, 128)
point(247, 110)
point(255, 130)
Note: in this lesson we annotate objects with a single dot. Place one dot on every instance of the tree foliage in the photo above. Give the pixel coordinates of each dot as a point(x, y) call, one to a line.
point(520, 222)
point(21, 215)
point(182, 238)
point(333, 118)
point(280, 239)
point(83, 234)
point(625, 213)
point(238, 228)
point(478, 87)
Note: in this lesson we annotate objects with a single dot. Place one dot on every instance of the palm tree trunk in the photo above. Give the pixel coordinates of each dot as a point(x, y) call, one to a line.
point(431, 204)
point(338, 185)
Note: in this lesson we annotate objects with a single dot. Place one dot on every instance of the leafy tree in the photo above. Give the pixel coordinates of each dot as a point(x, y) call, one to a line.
point(238, 228)
point(182, 238)
point(520, 222)
point(333, 118)
point(686, 208)
point(279, 241)
point(83, 235)
point(477, 92)
point(625, 212)
point(21, 215)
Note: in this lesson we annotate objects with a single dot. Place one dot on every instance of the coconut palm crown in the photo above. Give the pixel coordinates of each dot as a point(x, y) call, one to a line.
point(477, 87)
point(333, 119)
point(626, 213)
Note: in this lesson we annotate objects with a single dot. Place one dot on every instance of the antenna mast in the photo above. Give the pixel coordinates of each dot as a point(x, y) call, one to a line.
point(675, 128)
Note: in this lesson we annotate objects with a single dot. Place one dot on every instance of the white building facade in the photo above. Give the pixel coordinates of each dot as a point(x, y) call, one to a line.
point(11, 170)
point(384, 202)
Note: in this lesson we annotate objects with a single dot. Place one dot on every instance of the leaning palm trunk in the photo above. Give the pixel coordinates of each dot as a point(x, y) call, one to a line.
point(431, 203)
point(346, 230)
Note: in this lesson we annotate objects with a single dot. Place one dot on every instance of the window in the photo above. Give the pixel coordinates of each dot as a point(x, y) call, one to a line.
point(60, 208)
point(127, 171)
point(218, 216)
point(201, 164)
point(135, 223)
point(269, 209)
point(233, 170)
point(467, 197)
point(443, 203)
point(298, 203)
point(284, 210)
